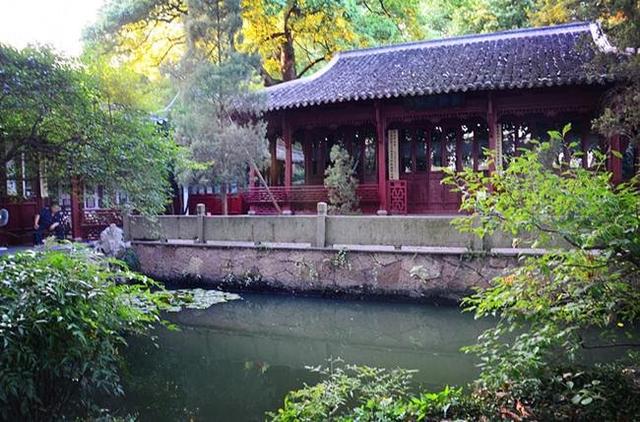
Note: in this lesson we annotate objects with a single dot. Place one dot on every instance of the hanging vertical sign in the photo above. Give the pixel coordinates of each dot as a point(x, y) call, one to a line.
point(394, 173)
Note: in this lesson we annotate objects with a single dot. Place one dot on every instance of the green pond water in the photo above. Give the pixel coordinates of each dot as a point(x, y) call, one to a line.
point(236, 360)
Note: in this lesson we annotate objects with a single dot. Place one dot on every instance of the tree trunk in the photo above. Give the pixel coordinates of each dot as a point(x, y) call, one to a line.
point(288, 60)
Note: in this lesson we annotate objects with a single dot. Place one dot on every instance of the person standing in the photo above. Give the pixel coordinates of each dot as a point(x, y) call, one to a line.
point(49, 219)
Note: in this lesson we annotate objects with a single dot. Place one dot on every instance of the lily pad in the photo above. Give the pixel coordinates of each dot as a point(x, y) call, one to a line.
point(198, 299)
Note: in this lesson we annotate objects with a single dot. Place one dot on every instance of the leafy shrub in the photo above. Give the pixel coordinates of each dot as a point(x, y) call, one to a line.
point(130, 258)
point(344, 388)
point(63, 317)
point(605, 392)
point(362, 393)
point(355, 393)
point(588, 277)
point(341, 182)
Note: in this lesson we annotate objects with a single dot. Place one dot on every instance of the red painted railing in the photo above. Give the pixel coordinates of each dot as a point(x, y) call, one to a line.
point(298, 198)
point(213, 203)
point(302, 198)
point(94, 221)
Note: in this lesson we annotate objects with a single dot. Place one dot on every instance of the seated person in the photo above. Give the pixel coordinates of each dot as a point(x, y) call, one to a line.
point(49, 219)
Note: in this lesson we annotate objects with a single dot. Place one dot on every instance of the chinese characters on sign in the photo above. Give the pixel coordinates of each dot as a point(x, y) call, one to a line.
point(393, 155)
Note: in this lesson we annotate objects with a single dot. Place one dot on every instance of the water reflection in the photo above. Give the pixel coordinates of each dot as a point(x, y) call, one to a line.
point(234, 361)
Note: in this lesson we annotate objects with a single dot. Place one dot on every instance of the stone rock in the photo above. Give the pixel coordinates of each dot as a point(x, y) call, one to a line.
point(111, 241)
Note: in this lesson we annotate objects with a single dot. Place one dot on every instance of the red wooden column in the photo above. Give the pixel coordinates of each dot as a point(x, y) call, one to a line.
point(273, 169)
point(288, 155)
point(76, 209)
point(288, 161)
point(615, 162)
point(382, 165)
point(492, 123)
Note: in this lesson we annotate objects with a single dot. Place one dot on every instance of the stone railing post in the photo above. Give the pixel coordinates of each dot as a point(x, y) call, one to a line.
point(126, 226)
point(321, 226)
point(200, 211)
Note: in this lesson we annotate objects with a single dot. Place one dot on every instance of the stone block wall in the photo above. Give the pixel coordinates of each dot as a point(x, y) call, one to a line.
point(444, 275)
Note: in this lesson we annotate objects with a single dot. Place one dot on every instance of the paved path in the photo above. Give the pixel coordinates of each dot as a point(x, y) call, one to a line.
point(13, 249)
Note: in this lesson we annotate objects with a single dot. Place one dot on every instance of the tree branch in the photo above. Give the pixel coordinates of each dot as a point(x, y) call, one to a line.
point(266, 76)
point(309, 66)
point(275, 35)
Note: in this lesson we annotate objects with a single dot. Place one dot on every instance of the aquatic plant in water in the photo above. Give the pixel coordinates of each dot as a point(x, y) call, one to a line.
point(197, 299)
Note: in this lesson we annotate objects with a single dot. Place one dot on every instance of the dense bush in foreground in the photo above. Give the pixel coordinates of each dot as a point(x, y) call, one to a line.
point(63, 317)
point(361, 393)
point(353, 393)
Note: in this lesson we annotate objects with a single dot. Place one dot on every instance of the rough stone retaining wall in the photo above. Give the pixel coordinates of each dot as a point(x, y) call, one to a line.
point(447, 273)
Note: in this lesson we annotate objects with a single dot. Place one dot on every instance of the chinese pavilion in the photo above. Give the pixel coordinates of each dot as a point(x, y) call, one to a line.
point(405, 112)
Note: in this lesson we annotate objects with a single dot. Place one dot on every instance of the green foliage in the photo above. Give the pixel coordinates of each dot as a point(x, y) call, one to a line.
point(64, 315)
point(218, 115)
point(218, 121)
point(456, 17)
point(353, 393)
point(587, 278)
point(600, 392)
point(130, 259)
point(340, 260)
point(72, 114)
point(446, 403)
point(292, 37)
point(361, 393)
point(343, 388)
point(341, 182)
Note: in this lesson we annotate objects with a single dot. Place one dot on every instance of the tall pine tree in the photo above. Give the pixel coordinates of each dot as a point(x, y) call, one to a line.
point(218, 117)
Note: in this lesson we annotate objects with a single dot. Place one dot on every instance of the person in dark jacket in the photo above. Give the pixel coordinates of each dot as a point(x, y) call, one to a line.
point(49, 219)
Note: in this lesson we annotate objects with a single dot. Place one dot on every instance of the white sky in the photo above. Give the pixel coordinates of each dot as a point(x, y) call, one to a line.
point(55, 22)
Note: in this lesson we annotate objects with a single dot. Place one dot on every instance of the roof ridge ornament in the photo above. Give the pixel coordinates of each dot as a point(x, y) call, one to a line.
point(600, 38)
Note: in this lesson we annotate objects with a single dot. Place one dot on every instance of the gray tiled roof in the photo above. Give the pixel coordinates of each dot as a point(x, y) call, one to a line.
point(524, 58)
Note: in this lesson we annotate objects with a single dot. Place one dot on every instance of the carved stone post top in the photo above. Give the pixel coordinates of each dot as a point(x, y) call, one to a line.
point(322, 208)
point(200, 209)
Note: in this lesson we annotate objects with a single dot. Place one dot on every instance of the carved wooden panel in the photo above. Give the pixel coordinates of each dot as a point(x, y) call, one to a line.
point(397, 196)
